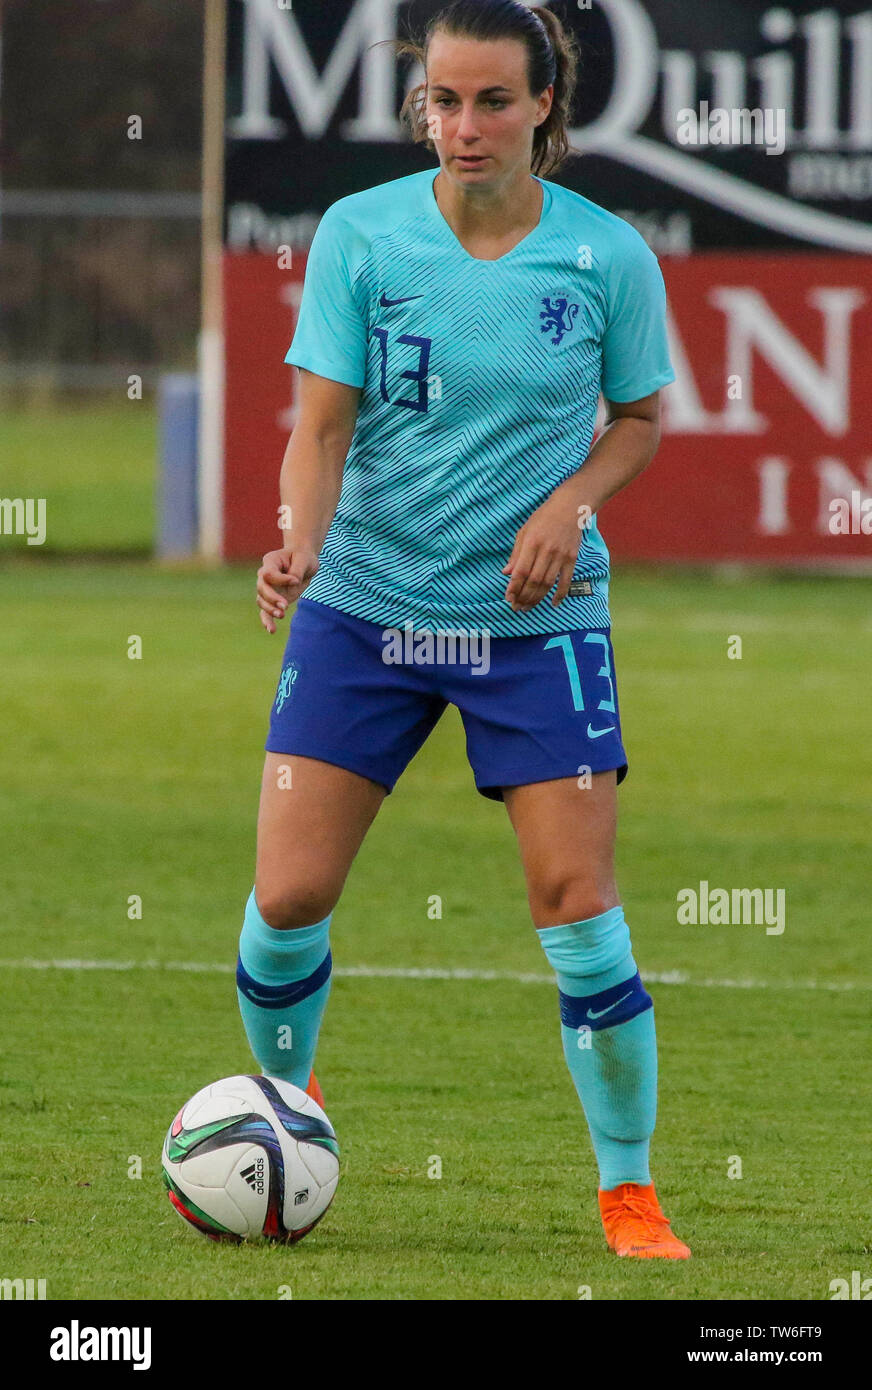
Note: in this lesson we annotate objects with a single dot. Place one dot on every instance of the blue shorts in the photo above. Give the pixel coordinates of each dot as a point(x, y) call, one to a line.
point(365, 698)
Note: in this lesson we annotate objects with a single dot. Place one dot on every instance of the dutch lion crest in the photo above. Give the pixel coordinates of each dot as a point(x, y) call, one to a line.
point(559, 317)
point(286, 685)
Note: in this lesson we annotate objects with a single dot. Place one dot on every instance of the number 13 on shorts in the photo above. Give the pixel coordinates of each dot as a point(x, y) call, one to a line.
point(595, 639)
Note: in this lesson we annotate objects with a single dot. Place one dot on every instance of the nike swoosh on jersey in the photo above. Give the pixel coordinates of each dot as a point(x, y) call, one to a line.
point(389, 303)
point(599, 1012)
point(598, 733)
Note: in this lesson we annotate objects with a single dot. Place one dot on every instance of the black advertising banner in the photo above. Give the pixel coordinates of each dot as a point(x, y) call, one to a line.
point(709, 125)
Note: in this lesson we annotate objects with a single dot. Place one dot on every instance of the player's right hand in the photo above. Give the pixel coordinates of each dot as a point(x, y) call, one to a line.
point(287, 570)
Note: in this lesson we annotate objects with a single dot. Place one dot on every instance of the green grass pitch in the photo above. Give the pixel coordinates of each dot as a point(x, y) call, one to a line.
point(141, 778)
point(95, 466)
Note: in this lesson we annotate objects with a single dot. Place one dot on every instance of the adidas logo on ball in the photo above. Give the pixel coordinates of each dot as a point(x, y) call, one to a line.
point(302, 1196)
point(254, 1175)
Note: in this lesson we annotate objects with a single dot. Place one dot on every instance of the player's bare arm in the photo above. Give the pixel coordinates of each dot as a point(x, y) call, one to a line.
point(546, 546)
point(309, 487)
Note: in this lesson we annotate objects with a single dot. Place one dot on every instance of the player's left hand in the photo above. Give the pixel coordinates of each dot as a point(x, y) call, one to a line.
point(545, 552)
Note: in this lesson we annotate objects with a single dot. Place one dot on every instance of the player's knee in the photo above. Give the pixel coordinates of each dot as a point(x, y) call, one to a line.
point(286, 906)
point(572, 898)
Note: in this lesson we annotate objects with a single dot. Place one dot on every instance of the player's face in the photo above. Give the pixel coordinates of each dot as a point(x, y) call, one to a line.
point(480, 113)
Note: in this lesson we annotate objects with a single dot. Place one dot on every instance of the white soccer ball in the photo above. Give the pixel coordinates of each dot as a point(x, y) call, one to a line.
point(250, 1156)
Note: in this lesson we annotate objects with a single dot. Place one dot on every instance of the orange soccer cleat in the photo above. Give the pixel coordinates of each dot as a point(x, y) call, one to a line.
point(314, 1090)
point(635, 1225)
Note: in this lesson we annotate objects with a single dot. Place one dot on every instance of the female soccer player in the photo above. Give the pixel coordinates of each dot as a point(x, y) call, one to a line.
point(455, 331)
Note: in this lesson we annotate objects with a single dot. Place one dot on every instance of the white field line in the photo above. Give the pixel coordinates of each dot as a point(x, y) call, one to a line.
point(375, 972)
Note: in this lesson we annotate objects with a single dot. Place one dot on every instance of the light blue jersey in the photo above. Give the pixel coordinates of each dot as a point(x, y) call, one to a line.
point(480, 382)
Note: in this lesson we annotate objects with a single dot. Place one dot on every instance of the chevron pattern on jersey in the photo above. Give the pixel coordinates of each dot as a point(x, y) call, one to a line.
point(479, 389)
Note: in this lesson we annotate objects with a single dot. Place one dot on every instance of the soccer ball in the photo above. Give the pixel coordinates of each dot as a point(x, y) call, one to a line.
point(250, 1156)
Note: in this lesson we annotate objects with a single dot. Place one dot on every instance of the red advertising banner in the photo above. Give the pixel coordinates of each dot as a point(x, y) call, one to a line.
point(260, 313)
point(769, 423)
point(766, 452)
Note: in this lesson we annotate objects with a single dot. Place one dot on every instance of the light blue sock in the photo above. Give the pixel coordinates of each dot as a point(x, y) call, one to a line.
point(282, 983)
point(607, 1024)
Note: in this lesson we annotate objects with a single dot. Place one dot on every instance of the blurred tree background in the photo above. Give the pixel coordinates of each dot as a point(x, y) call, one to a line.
point(99, 229)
